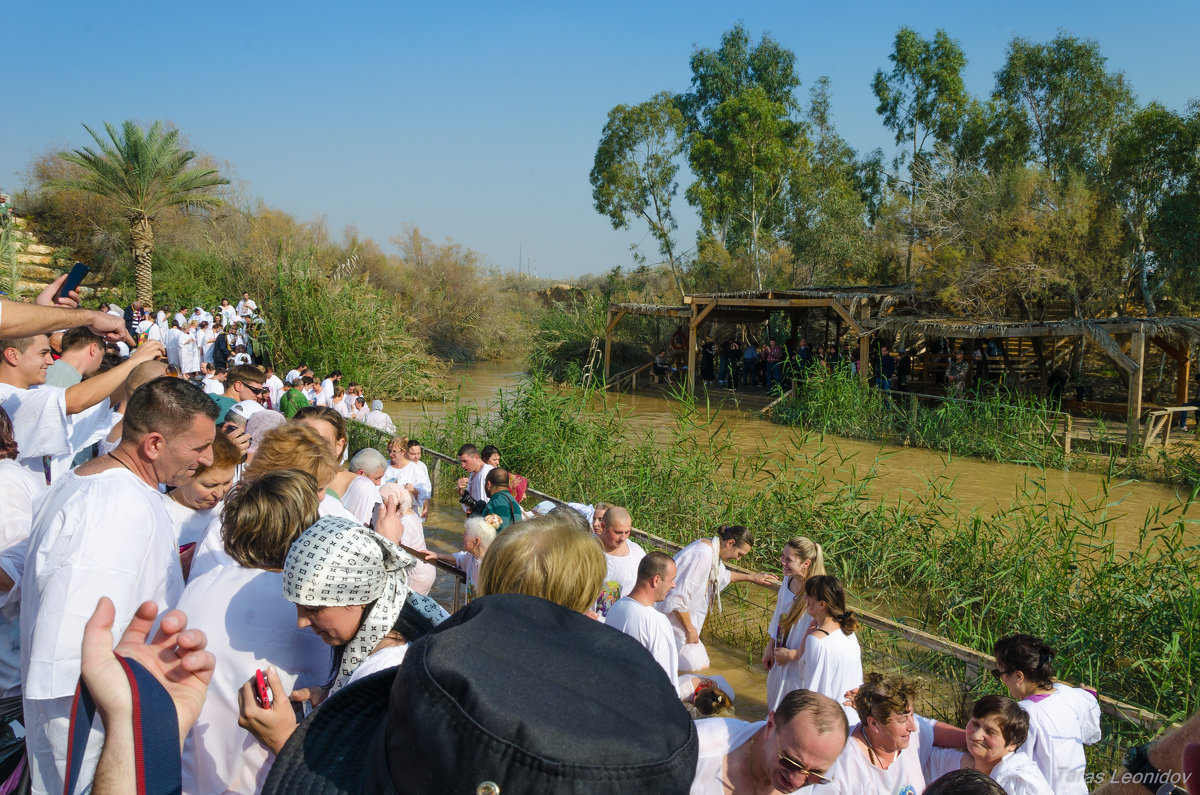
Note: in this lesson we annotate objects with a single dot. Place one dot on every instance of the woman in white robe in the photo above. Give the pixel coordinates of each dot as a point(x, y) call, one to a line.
point(189, 349)
point(250, 626)
point(800, 559)
point(699, 579)
point(830, 657)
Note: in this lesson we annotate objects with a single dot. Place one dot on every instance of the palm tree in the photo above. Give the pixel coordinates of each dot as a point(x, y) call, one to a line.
point(144, 172)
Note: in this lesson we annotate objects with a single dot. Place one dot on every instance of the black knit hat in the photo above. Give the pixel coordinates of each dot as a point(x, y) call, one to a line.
point(512, 694)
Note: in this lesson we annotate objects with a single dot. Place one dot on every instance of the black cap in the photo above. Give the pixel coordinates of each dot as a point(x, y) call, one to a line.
point(512, 694)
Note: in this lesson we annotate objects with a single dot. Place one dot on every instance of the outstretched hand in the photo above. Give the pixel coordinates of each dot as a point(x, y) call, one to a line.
point(175, 657)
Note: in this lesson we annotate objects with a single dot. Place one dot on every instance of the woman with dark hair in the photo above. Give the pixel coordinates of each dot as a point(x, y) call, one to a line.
point(829, 658)
point(700, 577)
point(1062, 719)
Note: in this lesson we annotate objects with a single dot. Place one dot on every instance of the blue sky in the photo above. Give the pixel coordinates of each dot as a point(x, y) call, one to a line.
point(479, 121)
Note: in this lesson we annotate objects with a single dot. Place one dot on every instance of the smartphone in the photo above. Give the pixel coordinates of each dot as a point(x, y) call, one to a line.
point(262, 691)
point(78, 273)
point(375, 515)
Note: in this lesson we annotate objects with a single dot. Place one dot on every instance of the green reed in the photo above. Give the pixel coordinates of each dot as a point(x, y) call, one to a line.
point(1125, 622)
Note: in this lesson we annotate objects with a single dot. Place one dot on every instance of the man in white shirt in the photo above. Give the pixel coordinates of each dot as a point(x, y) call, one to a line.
point(634, 613)
point(793, 748)
point(51, 424)
point(246, 307)
point(293, 374)
point(468, 457)
point(103, 530)
point(274, 387)
point(621, 557)
point(82, 353)
point(328, 385)
point(214, 380)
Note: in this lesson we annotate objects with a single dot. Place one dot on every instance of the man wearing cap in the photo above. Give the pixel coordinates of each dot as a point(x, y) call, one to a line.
point(634, 613)
point(621, 556)
point(103, 529)
point(790, 750)
point(453, 720)
point(244, 382)
point(379, 420)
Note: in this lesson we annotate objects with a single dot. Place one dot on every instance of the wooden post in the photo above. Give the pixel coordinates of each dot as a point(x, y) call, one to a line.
point(864, 360)
point(1183, 374)
point(1137, 352)
point(607, 345)
point(691, 352)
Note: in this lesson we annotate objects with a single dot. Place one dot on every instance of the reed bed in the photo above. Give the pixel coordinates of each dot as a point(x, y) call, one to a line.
point(1124, 622)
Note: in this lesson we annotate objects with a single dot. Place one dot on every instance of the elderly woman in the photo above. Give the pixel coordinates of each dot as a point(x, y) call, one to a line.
point(349, 586)
point(422, 576)
point(549, 557)
point(407, 469)
point(700, 577)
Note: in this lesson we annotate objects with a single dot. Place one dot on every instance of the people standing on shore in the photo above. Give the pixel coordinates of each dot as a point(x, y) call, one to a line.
point(700, 578)
point(472, 495)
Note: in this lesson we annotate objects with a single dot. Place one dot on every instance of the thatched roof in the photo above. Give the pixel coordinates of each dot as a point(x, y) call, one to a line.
point(1185, 329)
point(653, 309)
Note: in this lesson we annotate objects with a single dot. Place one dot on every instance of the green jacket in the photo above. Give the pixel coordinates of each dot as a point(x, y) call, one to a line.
point(292, 401)
point(504, 505)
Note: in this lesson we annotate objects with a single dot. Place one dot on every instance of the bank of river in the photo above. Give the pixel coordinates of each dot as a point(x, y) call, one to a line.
point(898, 474)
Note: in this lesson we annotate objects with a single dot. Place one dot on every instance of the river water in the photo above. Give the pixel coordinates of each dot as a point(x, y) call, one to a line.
point(898, 473)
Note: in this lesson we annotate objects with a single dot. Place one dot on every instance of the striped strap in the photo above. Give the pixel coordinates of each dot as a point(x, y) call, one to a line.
point(155, 734)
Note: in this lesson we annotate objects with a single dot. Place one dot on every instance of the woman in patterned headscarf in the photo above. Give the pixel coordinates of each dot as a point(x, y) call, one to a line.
point(350, 587)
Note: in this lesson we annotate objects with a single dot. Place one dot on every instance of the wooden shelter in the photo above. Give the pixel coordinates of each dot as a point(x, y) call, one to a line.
point(1173, 335)
point(855, 307)
point(890, 310)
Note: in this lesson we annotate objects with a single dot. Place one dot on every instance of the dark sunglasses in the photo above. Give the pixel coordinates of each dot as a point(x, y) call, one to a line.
point(257, 390)
point(811, 776)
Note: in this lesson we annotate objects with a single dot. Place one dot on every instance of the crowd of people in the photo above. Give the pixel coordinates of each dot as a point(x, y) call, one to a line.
point(267, 589)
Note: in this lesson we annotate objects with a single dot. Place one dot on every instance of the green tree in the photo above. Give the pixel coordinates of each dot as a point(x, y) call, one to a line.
point(745, 140)
point(749, 153)
point(633, 174)
point(827, 228)
point(1150, 159)
point(143, 172)
point(1065, 102)
point(921, 97)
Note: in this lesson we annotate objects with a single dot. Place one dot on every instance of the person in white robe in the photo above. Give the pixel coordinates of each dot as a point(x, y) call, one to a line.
point(406, 468)
point(827, 657)
point(997, 728)
point(1062, 719)
point(799, 559)
point(634, 613)
point(103, 530)
point(701, 576)
point(250, 626)
point(189, 350)
point(52, 424)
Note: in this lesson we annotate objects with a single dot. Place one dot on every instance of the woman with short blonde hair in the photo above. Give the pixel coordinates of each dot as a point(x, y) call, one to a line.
point(548, 557)
point(294, 446)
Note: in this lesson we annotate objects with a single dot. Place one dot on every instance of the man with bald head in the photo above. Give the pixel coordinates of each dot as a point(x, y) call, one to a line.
point(791, 750)
point(621, 555)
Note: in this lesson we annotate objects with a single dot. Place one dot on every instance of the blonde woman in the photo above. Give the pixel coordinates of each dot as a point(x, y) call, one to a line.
point(547, 557)
point(801, 558)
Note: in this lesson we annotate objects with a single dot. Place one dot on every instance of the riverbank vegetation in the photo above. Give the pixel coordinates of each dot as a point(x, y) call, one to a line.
point(1124, 619)
point(386, 320)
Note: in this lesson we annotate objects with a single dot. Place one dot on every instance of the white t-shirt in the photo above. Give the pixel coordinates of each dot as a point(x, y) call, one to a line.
point(327, 390)
point(380, 421)
point(210, 552)
point(360, 498)
point(1017, 774)
point(212, 386)
point(648, 627)
point(390, 657)
point(191, 525)
point(40, 423)
point(19, 490)
point(413, 473)
point(249, 626)
point(107, 534)
point(718, 737)
point(291, 376)
point(475, 482)
point(853, 773)
point(274, 389)
point(620, 577)
point(831, 665)
point(332, 506)
point(1059, 726)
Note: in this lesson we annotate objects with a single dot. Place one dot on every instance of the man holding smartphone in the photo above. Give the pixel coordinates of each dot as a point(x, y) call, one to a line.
point(244, 382)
